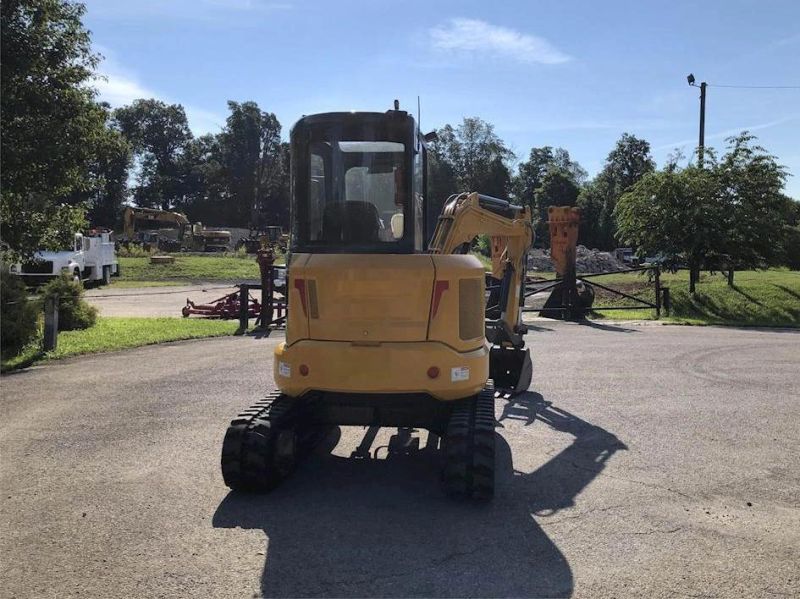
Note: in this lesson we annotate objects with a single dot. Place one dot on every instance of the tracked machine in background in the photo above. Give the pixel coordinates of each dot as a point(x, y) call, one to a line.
point(382, 330)
point(137, 229)
point(267, 236)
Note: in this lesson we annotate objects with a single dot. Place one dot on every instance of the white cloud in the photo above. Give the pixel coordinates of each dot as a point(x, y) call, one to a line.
point(478, 38)
point(118, 89)
point(118, 86)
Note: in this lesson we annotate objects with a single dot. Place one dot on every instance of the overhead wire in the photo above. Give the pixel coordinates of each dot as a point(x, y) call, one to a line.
point(755, 86)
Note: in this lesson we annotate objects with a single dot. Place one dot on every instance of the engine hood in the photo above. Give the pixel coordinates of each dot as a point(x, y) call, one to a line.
point(62, 257)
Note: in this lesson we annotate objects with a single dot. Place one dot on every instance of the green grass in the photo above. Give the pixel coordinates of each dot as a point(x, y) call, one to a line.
point(190, 268)
point(758, 298)
point(110, 334)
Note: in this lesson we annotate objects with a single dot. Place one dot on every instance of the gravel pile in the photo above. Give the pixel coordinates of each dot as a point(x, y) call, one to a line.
point(588, 261)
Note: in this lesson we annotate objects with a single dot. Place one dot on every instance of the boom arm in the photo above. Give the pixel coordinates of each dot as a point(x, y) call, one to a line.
point(467, 215)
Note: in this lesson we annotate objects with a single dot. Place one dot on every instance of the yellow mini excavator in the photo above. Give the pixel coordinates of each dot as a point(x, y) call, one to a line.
point(382, 330)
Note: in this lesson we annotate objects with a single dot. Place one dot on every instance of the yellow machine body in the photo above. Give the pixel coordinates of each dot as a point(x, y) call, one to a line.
point(384, 324)
point(387, 320)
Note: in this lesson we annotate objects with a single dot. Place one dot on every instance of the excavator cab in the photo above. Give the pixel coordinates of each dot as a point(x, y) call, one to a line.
point(386, 311)
point(358, 184)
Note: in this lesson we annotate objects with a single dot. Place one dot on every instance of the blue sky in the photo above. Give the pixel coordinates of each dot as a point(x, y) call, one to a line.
point(570, 74)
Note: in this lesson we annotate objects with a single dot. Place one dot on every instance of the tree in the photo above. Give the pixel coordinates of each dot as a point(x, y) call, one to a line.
point(729, 214)
point(51, 129)
point(548, 178)
point(756, 210)
point(556, 189)
point(109, 169)
point(592, 202)
point(205, 192)
point(158, 134)
point(541, 160)
point(676, 215)
point(791, 251)
point(626, 164)
point(255, 165)
point(442, 182)
point(474, 158)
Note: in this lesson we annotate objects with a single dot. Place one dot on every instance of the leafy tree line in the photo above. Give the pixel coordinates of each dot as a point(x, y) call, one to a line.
point(472, 157)
point(224, 178)
point(726, 213)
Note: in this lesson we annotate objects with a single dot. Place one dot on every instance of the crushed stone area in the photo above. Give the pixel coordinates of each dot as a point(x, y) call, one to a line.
point(588, 261)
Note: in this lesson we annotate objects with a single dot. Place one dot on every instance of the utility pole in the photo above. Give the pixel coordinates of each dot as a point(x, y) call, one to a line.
point(694, 269)
point(701, 146)
point(702, 138)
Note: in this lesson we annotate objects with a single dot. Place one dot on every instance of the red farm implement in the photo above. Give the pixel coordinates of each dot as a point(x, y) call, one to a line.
point(228, 306)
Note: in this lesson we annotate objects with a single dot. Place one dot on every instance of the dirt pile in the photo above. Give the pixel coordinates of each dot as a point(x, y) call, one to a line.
point(588, 261)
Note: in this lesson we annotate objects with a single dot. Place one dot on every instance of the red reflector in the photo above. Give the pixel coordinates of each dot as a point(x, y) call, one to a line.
point(439, 287)
point(303, 370)
point(433, 372)
point(300, 285)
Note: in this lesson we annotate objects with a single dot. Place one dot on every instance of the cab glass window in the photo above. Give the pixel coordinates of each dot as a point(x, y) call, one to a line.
point(356, 192)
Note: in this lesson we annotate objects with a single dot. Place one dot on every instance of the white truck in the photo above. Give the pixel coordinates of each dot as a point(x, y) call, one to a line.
point(90, 259)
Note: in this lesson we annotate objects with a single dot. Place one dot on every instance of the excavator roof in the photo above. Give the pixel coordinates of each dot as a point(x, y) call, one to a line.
point(350, 117)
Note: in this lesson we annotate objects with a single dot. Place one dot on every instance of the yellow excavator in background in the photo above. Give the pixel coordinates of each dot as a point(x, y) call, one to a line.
point(189, 236)
point(382, 330)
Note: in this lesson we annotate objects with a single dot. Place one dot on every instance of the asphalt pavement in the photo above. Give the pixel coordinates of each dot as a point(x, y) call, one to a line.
point(645, 461)
point(154, 301)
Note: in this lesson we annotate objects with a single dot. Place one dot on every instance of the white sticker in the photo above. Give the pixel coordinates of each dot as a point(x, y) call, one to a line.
point(460, 373)
point(284, 370)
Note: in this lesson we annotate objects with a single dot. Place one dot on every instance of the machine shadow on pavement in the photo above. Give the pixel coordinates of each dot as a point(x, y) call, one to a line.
point(383, 527)
point(612, 328)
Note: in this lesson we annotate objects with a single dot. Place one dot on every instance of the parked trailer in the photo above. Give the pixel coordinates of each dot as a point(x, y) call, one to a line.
point(90, 259)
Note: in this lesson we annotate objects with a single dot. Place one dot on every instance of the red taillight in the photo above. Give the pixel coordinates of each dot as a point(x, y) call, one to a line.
point(303, 370)
point(433, 372)
point(300, 285)
point(439, 287)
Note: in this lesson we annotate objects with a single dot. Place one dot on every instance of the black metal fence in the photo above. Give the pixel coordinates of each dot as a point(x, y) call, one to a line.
point(581, 304)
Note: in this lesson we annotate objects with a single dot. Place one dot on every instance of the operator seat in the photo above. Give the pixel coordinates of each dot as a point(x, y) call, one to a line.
point(350, 222)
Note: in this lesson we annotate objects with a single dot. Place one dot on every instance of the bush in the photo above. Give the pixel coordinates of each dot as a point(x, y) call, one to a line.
point(240, 253)
point(792, 248)
point(134, 251)
point(73, 311)
point(483, 244)
point(18, 315)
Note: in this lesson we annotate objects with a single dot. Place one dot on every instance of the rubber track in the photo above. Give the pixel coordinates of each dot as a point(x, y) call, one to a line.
point(248, 448)
point(469, 448)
